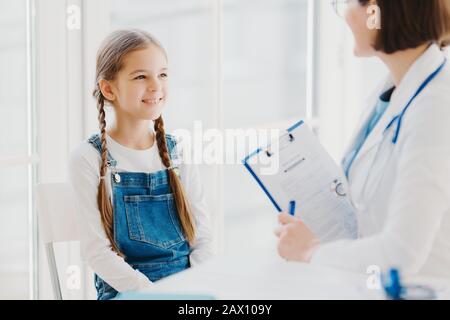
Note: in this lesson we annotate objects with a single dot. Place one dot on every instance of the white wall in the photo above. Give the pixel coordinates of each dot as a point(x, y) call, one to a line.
point(343, 81)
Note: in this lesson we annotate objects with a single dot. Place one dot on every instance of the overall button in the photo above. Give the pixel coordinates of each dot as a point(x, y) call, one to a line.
point(117, 178)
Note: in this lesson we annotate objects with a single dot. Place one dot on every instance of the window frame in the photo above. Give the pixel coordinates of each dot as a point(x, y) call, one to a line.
point(30, 160)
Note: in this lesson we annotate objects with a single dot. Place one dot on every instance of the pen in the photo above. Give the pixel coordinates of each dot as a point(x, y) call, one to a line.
point(392, 286)
point(292, 208)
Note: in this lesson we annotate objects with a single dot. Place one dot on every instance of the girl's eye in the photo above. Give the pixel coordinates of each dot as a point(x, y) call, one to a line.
point(164, 75)
point(140, 77)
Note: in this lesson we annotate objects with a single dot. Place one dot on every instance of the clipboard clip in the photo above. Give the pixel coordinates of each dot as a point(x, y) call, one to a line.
point(291, 137)
point(269, 152)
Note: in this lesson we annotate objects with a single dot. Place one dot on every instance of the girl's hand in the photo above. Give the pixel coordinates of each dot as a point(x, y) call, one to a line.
point(296, 241)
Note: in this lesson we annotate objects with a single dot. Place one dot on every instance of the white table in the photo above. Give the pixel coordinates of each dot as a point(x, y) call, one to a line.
point(263, 275)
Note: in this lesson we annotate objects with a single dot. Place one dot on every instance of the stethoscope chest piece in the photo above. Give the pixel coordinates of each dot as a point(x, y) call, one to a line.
point(338, 188)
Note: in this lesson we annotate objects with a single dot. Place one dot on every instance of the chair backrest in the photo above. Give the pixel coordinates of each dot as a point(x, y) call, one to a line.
point(56, 209)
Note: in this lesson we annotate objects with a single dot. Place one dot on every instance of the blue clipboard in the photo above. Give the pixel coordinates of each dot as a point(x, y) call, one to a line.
point(255, 176)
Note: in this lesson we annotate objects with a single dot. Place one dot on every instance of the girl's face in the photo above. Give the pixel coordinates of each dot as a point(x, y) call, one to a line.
point(357, 17)
point(140, 88)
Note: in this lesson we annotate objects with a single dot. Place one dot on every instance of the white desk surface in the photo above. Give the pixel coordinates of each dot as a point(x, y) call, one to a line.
point(264, 275)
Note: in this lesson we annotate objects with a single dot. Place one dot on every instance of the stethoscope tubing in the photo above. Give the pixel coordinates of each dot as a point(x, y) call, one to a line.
point(398, 118)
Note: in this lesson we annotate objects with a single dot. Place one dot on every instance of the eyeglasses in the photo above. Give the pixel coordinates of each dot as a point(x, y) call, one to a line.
point(340, 6)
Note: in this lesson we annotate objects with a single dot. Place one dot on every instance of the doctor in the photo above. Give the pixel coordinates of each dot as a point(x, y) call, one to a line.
point(398, 163)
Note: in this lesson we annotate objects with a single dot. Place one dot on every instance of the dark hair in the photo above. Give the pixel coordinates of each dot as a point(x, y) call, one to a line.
point(407, 24)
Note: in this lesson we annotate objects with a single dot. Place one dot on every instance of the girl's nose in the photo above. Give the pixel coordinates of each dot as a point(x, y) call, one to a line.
point(154, 85)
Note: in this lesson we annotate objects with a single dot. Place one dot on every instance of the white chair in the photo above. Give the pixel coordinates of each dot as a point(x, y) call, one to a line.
point(56, 209)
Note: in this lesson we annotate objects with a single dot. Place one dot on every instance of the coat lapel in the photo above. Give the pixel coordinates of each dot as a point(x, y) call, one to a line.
point(370, 102)
point(418, 72)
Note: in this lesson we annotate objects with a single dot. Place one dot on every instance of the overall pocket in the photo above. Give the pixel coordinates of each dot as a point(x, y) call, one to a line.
point(153, 220)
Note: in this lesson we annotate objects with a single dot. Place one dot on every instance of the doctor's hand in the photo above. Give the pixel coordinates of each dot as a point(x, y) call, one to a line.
point(296, 242)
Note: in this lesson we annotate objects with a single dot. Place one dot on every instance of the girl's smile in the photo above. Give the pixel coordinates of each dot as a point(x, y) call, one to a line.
point(152, 101)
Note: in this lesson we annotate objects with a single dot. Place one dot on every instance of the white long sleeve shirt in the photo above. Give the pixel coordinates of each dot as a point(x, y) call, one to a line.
point(84, 173)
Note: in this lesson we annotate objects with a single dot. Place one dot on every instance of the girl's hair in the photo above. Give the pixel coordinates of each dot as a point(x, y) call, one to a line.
point(109, 62)
point(407, 24)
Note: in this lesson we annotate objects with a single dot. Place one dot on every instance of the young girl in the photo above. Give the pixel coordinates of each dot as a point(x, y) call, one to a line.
point(143, 214)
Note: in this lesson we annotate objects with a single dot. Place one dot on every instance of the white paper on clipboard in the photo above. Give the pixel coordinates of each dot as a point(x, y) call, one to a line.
point(308, 175)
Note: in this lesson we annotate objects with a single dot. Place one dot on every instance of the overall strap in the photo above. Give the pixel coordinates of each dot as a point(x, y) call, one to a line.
point(96, 142)
point(172, 147)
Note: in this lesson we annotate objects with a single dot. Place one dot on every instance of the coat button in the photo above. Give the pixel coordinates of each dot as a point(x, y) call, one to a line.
point(117, 178)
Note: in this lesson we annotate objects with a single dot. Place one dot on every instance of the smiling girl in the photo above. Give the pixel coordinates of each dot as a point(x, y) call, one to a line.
point(142, 211)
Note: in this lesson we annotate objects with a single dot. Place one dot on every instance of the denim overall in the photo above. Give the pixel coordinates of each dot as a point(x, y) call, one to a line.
point(147, 229)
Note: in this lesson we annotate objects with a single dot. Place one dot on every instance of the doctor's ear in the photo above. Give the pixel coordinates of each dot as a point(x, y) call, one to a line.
point(106, 89)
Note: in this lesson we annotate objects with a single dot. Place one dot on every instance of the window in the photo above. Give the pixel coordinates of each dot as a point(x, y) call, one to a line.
point(17, 159)
point(264, 86)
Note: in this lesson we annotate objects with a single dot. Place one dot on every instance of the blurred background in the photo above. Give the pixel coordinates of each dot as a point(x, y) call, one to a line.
point(234, 64)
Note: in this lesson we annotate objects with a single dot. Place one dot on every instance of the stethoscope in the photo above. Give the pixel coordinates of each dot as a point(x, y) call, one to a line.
point(398, 118)
point(396, 122)
point(337, 187)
